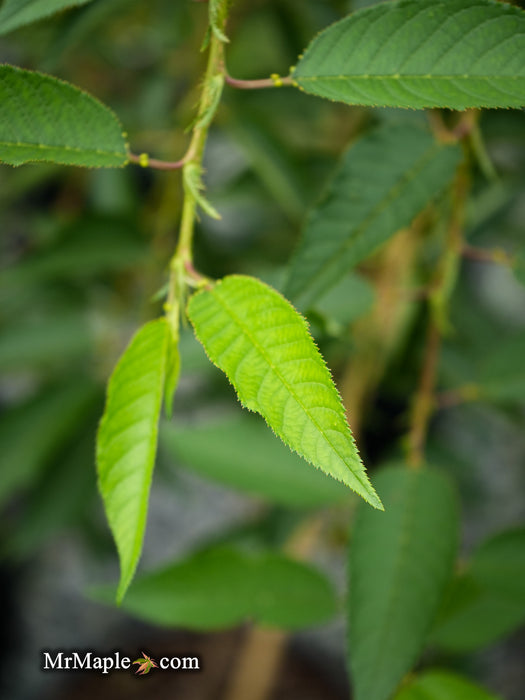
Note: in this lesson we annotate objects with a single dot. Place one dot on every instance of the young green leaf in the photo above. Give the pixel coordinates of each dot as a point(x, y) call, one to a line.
point(17, 13)
point(421, 53)
point(45, 119)
point(442, 685)
point(400, 563)
point(172, 376)
point(222, 587)
point(127, 441)
point(262, 344)
point(383, 182)
point(218, 451)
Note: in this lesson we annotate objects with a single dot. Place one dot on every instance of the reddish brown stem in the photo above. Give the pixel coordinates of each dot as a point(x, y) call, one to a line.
point(273, 81)
point(147, 162)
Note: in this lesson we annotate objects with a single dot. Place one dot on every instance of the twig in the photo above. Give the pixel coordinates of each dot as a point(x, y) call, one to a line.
point(273, 81)
point(495, 255)
point(146, 162)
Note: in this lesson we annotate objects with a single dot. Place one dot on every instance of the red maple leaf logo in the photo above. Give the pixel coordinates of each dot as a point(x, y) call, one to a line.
point(145, 665)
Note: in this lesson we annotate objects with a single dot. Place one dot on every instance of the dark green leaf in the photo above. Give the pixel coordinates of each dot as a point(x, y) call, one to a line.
point(219, 451)
point(33, 433)
point(383, 182)
point(400, 562)
point(421, 53)
point(127, 441)
point(45, 119)
point(262, 344)
point(17, 13)
point(222, 587)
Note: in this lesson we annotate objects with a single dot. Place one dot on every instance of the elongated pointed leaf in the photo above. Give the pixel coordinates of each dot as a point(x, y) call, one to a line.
point(45, 119)
point(17, 13)
point(443, 685)
point(488, 600)
point(218, 451)
point(400, 562)
point(262, 344)
point(383, 182)
point(127, 441)
point(222, 587)
point(421, 53)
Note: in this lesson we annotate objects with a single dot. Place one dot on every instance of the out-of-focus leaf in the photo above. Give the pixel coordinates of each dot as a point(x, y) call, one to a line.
point(400, 563)
point(222, 587)
point(365, 204)
point(17, 13)
point(90, 247)
point(45, 342)
point(488, 600)
point(45, 119)
point(241, 452)
point(376, 56)
point(33, 433)
point(58, 499)
point(263, 346)
point(502, 372)
point(127, 441)
point(347, 301)
point(442, 685)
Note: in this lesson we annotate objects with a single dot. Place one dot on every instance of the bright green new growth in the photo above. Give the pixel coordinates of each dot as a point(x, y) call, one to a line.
point(17, 13)
point(400, 563)
point(45, 119)
point(223, 587)
point(263, 345)
point(421, 53)
point(383, 182)
point(127, 440)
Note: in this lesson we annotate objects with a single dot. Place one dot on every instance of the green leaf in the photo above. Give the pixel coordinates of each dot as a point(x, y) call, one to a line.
point(45, 119)
point(488, 600)
point(34, 433)
point(502, 372)
point(352, 297)
point(17, 13)
point(127, 441)
point(382, 183)
point(218, 451)
point(442, 685)
point(400, 563)
point(262, 344)
point(421, 53)
point(45, 341)
point(222, 587)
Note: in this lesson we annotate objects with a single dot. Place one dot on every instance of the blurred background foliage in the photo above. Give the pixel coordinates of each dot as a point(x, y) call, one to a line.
point(84, 256)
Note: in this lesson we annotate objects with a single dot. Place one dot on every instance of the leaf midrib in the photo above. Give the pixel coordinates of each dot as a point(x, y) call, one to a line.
point(288, 386)
point(407, 76)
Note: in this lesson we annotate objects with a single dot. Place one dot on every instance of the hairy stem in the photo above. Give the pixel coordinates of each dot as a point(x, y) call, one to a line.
point(181, 264)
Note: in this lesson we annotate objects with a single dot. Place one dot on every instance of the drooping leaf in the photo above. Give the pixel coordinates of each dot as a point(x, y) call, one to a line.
point(443, 685)
point(219, 451)
point(383, 182)
point(45, 119)
point(421, 53)
point(33, 433)
point(222, 587)
point(488, 600)
point(262, 344)
point(17, 13)
point(127, 441)
point(400, 563)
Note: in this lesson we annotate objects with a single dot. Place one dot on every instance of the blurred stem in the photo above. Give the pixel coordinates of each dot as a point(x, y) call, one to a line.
point(181, 264)
point(424, 402)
